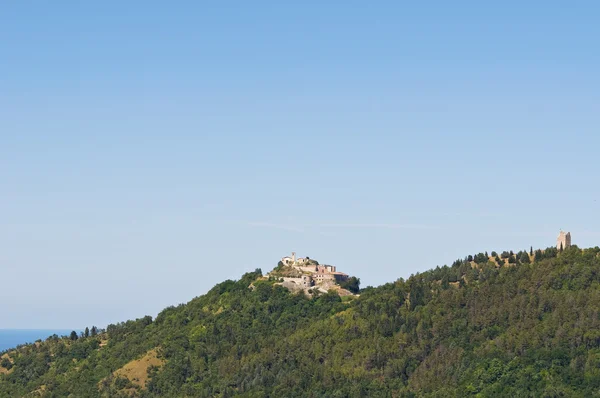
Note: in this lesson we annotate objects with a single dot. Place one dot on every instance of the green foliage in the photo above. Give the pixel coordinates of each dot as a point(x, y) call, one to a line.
point(352, 284)
point(529, 330)
point(481, 258)
point(523, 257)
point(6, 363)
point(310, 261)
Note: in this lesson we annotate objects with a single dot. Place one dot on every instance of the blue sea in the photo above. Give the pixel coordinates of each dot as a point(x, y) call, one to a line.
point(10, 338)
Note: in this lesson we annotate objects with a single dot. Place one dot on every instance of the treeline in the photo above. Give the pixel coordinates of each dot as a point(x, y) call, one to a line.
point(521, 257)
point(480, 328)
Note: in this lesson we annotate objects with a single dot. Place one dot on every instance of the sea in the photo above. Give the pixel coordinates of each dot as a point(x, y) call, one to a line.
point(10, 338)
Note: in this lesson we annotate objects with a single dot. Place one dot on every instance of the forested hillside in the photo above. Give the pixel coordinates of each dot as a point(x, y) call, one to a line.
point(525, 327)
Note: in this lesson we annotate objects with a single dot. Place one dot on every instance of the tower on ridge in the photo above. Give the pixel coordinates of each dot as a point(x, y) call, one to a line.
point(564, 240)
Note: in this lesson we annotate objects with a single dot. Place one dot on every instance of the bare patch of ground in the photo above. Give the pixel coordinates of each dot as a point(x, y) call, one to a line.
point(3, 370)
point(137, 370)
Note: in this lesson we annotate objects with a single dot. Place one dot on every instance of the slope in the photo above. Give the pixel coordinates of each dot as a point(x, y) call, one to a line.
point(528, 330)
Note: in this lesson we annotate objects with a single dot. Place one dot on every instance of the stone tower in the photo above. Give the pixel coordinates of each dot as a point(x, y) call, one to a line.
point(563, 239)
point(294, 258)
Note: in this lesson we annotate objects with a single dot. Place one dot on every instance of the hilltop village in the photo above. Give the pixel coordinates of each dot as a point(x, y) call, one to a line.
point(308, 275)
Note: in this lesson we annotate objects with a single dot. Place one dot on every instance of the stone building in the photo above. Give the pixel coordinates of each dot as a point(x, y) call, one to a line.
point(307, 281)
point(297, 262)
point(287, 260)
point(316, 273)
point(563, 240)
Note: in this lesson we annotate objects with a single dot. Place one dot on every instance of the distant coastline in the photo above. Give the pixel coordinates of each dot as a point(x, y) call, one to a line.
point(10, 338)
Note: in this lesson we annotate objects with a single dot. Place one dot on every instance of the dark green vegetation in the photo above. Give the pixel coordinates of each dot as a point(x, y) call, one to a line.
point(528, 329)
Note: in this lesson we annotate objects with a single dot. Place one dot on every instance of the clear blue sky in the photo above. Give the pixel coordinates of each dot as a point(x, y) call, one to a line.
point(149, 151)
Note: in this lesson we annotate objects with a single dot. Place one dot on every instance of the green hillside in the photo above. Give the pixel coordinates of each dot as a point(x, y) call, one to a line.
point(521, 329)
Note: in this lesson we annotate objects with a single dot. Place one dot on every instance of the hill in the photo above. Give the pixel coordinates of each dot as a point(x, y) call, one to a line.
point(530, 328)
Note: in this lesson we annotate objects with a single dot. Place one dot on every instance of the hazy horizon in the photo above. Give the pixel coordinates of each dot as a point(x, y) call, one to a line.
point(10, 338)
point(148, 152)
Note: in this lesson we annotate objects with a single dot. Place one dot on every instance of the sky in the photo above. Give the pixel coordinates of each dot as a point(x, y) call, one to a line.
point(149, 150)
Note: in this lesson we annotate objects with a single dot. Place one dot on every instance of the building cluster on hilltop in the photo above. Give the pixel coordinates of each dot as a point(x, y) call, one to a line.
point(312, 273)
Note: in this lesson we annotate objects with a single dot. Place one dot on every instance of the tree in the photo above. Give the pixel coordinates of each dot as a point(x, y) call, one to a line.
point(94, 331)
point(494, 254)
point(524, 258)
point(417, 294)
point(481, 258)
point(86, 333)
point(445, 282)
point(470, 258)
point(352, 284)
point(6, 363)
point(551, 252)
point(539, 255)
point(531, 250)
point(73, 335)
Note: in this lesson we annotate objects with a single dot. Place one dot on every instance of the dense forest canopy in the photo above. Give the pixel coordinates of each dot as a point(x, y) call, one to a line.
point(523, 324)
